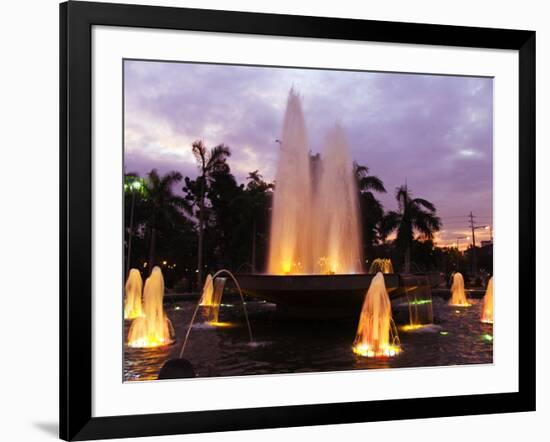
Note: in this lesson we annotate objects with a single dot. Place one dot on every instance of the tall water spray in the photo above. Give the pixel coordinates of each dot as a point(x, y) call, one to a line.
point(132, 295)
point(376, 332)
point(487, 310)
point(292, 217)
point(315, 216)
point(336, 225)
point(154, 328)
point(458, 294)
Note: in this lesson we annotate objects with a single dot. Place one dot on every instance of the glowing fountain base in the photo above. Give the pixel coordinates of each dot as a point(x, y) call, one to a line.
point(366, 352)
point(328, 296)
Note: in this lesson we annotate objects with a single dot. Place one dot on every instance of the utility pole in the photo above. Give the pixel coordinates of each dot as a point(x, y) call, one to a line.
point(474, 257)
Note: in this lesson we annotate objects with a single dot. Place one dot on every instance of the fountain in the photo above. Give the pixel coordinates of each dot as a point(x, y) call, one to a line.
point(207, 292)
point(314, 262)
point(132, 299)
point(154, 329)
point(315, 217)
point(381, 265)
point(213, 314)
point(376, 332)
point(487, 310)
point(458, 294)
point(180, 367)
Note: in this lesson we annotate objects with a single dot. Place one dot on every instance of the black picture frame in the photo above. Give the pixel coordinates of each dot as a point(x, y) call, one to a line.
point(76, 21)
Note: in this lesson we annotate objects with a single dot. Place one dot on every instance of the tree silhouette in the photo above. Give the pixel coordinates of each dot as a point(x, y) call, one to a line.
point(208, 162)
point(415, 214)
point(162, 205)
point(372, 211)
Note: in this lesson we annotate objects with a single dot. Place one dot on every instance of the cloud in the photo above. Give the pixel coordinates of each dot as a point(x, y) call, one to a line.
point(432, 131)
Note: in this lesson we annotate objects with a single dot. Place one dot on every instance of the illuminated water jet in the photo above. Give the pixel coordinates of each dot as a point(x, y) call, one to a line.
point(213, 312)
point(487, 309)
point(336, 222)
point(315, 216)
point(207, 292)
point(154, 329)
point(376, 332)
point(458, 294)
point(381, 265)
point(132, 299)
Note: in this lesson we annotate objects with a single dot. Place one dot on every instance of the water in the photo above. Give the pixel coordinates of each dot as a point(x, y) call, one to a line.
point(458, 294)
point(376, 333)
point(381, 265)
point(154, 328)
point(207, 298)
point(132, 295)
point(212, 310)
point(315, 217)
point(285, 346)
point(487, 309)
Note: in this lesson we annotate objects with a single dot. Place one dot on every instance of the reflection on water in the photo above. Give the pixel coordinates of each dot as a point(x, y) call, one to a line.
point(285, 346)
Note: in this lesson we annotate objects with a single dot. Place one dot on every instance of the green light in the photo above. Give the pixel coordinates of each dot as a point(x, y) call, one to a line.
point(487, 337)
point(421, 302)
point(136, 185)
point(444, 333)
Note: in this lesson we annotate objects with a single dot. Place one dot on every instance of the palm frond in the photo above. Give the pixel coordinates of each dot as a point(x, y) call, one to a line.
point(425, 203)
point(199, 151)
point(371, 182)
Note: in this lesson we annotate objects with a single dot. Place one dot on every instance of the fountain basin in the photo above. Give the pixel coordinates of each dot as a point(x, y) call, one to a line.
point(325, 296)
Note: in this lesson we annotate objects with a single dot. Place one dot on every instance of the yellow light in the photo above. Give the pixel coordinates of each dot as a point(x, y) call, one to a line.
point(220, 324)
point(164, 263)
point(287, 267)
point(411, 327)
point(386, 351)
point(148, 342)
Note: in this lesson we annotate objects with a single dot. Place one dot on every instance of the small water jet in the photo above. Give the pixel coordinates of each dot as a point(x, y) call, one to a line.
point(458, 294)
point(487, 310)
point(381, 265)
point(216, 301)
point(154, 329)
point(213, 313)
point(132, 299)
point(207, 292)
point(376, 332)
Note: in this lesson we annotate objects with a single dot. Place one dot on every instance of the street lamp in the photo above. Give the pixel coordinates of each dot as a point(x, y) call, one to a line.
point(134, 187)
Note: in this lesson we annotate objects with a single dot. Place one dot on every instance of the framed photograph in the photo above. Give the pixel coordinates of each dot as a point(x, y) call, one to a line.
point(273, 220)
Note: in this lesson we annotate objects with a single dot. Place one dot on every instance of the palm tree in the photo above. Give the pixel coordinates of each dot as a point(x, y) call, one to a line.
point(208, 162)
point(163, 205)
point(372, 211)
point(415, 214)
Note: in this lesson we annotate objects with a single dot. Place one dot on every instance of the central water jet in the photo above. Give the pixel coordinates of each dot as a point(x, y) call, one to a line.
point(315, 216)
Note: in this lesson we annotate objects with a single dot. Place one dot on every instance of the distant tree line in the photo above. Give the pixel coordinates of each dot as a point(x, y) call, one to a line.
point(211, 222)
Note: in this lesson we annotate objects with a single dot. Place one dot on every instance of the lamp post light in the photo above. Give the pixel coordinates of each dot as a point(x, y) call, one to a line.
point(134, 187)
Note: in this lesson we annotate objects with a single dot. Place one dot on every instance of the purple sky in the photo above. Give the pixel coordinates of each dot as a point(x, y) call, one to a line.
point(435, 132)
